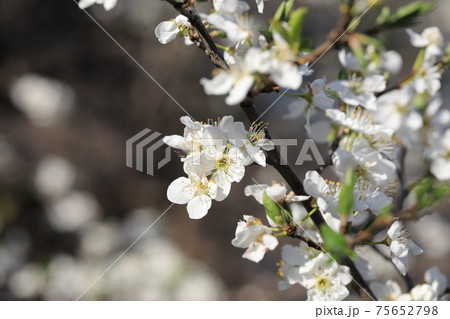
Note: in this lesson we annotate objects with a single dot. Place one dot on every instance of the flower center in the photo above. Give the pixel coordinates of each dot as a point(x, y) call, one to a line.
point(322, 283)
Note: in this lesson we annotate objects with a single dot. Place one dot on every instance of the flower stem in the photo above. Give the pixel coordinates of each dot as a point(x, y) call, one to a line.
point(306, 217)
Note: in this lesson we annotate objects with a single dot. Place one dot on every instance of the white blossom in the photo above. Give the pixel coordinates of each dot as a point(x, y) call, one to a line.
point(196, 191)
point(390, 291)
point(358, 120)
point(428, 80)
point(276, 192)
point(239, 79)
point(231, 18)
point(400, 246)
point(326, 282)
point(358, 91)
point(434, 286)
point(326, 192)
point(256, 238)
point(297, 260)
point(167, 31)
point(107, 4)
point(431, 39)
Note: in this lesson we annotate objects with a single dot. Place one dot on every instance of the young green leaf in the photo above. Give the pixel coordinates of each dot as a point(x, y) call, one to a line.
point(273, 210)
point(335, 243)
point(405, 16)
point(296, 19)
point(346, 202)
point(429, 191)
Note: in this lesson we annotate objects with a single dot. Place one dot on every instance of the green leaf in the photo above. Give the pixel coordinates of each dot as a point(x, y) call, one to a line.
point(286, 213)
point(273, 210)
point(282, 13)
point(430, 191)
point(358, 51)
point(384, 15)
point(346, 202)
point(267, 34)
point(343, 74)
point(277, 26)
point(335, 244)
point(447, 55)
point(406, 16)
point(296, 19)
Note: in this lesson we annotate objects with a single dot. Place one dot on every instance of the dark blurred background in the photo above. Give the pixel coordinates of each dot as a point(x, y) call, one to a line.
point(69, 207)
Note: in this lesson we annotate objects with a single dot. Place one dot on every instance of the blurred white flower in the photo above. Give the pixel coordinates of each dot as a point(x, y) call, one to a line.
point(390, 291)
point(107, 4)
point(99, 239)
point(434, 286)
point(44, 101)
point(54, 176)
point(27, 282)
point(431, 38)
point(358, 91)
point(72, 211)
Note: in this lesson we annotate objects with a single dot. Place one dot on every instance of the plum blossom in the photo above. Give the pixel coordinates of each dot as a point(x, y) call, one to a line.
point(239, 79)
point(107, 4)
point(428, 80)
point(358, 91)
point(217, 153)
point(317, 98)
point(167, 31)
point(326, 192)
point(222, 164)
point(439, 154)
point(400, 245)
point(326, 282)
point(196, 191)
point(255, 237)
point(368, 164)
point(251, 143)
point(284, 71)
point(434, 286)
point(431, 39)
point(390, 291)
point(231, 17)
point(276, 192)
point(295, 261)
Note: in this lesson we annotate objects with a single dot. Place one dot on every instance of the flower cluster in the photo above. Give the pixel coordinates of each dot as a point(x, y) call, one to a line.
point(431, 290)
point(216, 155)
point(310, 268)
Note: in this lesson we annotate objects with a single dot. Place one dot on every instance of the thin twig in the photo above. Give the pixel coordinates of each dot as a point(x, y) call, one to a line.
point(187, 9)
point(333, 38)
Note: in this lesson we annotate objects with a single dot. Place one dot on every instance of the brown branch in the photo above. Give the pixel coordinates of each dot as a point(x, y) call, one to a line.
point(331, 149)
point(292, 232)
point(187, 9)
point(335, 37)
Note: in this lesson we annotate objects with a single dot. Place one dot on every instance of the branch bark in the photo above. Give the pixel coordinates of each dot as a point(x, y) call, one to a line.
point(334, 36)
point(187, 9)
